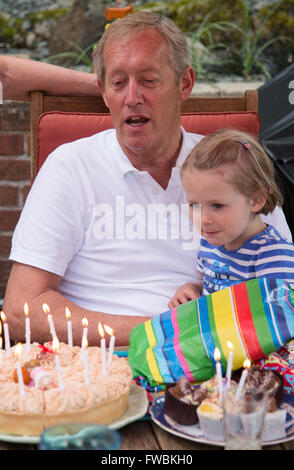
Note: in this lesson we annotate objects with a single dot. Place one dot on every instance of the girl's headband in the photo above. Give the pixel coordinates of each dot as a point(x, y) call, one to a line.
point(247, 146)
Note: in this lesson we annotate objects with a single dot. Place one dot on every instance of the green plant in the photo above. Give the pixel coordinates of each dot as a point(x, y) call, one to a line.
point(203, 35)
point(82, 56)
point(280, 24)
point(187, 13)
point(250, 55)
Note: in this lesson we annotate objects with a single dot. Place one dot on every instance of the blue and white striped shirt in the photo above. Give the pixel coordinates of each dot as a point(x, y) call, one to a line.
point(264, 255)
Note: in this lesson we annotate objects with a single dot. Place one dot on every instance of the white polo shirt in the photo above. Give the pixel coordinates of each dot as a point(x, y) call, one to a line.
point(108, 229)
point(121, 243)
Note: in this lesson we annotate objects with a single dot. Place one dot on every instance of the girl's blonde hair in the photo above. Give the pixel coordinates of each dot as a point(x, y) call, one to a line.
point(254, 170)
point(135, 22)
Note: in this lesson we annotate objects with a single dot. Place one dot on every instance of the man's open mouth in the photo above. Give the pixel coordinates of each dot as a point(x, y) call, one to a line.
point(136, 120)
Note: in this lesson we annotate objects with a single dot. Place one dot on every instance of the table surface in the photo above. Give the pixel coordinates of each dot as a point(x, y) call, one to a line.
point(146, 435)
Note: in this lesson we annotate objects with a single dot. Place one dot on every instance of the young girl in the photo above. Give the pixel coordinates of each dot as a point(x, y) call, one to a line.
point(231, 179)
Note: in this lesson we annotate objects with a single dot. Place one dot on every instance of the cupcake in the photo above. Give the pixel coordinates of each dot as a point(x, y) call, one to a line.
point(181, 401)
point(274, 422)
point(264, 380)
point(271, 382)
point(210, 411)
point(211, 419)
point(211, 386)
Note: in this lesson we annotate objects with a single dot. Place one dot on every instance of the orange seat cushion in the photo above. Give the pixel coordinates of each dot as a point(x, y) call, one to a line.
point(57, 128)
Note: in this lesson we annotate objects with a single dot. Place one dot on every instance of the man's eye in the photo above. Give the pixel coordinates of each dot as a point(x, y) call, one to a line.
point(117, 83)
point(149, 81)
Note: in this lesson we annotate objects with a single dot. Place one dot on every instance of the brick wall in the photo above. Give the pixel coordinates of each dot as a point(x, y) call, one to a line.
point(14, 175)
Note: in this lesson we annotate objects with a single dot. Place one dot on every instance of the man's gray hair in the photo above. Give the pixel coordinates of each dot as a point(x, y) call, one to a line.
point(138, 21)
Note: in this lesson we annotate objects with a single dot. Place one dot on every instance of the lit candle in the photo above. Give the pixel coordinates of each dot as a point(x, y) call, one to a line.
point(102, 346)
point(85, 329)
point(18, 370)
point(84, 335)
point(246, 365)
point(229, 364)
point(86, 360)
point(6, 334)
point(28, 327)
point(217, 357)
point(46, 310)
point(69, 327)
point(110, 332)
point(55, 346)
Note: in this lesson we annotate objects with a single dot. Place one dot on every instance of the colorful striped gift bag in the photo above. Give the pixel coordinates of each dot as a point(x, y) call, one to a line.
point(256, 316)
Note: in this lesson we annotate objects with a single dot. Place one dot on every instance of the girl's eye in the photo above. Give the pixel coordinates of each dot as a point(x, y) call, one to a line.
point(217, 206)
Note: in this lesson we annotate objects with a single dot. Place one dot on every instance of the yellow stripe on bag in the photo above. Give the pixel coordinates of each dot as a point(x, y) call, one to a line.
point(226, 326)
point(152, 363)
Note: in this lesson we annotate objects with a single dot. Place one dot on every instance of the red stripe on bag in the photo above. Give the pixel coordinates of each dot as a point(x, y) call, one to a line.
point(245, 322)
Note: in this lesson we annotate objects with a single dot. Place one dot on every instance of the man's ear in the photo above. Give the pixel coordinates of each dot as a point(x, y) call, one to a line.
point(102, 92)
point(187, 83)
point(257, 201)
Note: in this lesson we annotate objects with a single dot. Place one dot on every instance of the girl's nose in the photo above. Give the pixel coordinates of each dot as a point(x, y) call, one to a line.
point(205, 217)
point(195, 216)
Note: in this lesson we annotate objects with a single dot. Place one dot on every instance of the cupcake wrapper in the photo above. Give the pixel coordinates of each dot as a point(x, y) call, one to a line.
point(274, 425)
point(212, 428)
point(179, 411)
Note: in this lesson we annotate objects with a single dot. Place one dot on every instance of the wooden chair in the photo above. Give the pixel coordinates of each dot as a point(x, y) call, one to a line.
point(59, 119)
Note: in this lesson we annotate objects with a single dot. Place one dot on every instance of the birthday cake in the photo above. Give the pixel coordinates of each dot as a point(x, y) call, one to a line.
point(42, 400)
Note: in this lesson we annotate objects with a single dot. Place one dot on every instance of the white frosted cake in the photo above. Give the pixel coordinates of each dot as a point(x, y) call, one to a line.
point(44, 403)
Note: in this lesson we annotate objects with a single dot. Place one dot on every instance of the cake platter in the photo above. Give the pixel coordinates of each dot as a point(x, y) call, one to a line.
point(194, 433)
point(137, 408)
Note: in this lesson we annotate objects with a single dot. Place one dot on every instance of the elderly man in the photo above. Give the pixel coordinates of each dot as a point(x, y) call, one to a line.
point(87, 237)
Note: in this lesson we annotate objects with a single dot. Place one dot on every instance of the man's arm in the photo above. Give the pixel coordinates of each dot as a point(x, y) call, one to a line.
point(20, 76)
point(36, 286)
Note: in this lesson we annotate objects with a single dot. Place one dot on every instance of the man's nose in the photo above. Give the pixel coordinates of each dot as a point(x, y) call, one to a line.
point(133, 93)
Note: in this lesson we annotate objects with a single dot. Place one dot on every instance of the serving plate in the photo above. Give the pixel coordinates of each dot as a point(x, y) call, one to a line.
point(194, 433)
point(137, 408)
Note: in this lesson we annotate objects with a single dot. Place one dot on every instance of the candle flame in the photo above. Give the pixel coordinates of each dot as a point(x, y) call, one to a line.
point(247, 364)
point(108, 330)
point(84, 342)
point(3, 316)
point(17, 351)
point(85, 322)
point(46, 308)
point(100, 330)
point(230, 345)
point(67, 313)
point(55, 344)
point(26, 309)
point(217, 354)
